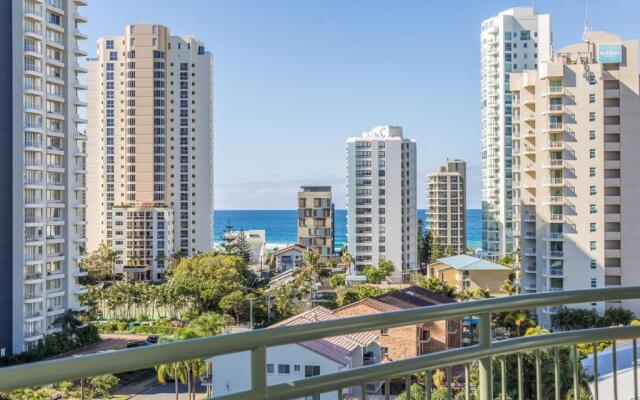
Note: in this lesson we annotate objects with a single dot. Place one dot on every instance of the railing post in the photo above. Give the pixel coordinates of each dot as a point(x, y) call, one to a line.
point(484, 340)
point(258, 367)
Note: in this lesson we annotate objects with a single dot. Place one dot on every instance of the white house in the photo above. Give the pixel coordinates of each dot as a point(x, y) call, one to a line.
point(289, 257)
point(231, 372)
point(257, 240)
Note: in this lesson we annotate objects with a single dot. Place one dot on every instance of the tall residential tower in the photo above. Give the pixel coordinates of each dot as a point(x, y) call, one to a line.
point(42, 154)
point(150, 148)
point(316, 220)
point(381, 199)
point(513, 41)
point(446, 201)
point(577, 170)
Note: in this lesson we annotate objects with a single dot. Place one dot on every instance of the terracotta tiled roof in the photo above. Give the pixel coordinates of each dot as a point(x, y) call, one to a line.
point(336, 348)
point(413, 296)
point(288, 248)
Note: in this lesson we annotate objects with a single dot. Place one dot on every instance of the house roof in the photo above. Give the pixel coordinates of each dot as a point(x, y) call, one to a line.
point(411, 297)
point(289, 248)
point(468, 263)
point(336, 348)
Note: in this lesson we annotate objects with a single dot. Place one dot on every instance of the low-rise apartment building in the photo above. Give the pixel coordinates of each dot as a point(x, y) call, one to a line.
point(408, 341)
point(464, 272)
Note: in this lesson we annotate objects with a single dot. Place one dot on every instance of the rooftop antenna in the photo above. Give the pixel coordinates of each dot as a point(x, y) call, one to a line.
point(585, 33)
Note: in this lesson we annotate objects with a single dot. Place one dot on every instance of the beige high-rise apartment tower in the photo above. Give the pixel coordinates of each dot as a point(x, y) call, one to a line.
point(446, 199)
point(577, 170)
point(316, 220)
point(150, 147)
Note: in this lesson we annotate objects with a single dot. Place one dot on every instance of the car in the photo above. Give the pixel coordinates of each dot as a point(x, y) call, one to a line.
point(137, 343)
point(153, 339)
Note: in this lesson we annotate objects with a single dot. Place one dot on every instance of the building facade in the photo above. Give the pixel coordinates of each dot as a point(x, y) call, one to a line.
point(447, 199)
point(381, 199)
point(151, 136)
point(43, 160)
point(143, 236)
point(316, 220)
point(577, 120)
point(513, 41)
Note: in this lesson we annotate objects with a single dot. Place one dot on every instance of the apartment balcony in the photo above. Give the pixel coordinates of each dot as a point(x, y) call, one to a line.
point(611, 111)
point(553, 91)
point(554, 255)
point(554, 200)
point(611, 93)
point(554, 127)
point(554, 109)
point(529, 252)
point(337, 384)
point(553, 273)
point(530, 235)
point(553, 145)
point(555, 164)
point(80, 18)
point(80, 2)
point(554, 236)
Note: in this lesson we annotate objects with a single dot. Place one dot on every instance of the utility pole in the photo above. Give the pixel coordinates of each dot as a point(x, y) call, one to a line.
point(251, 312)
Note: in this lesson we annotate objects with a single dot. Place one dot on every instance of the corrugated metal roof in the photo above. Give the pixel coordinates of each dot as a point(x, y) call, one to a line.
point(468, 263)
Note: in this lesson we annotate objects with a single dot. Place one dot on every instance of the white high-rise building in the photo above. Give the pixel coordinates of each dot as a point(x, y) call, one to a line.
point(515, 40)
point(577, 169)
point(150, 148)
point(447, 205)
point(381, 199)
point(43, 168)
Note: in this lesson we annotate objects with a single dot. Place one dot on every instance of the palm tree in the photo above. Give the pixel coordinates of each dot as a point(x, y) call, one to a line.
point(509, 288)
point(165, 371)
point(518, 319)
point(307, 276)
point(347, 259)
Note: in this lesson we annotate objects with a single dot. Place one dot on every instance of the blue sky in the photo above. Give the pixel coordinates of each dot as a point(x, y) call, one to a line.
point(293, 79)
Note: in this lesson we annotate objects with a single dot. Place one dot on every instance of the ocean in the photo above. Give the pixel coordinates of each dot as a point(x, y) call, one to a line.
point(281, 226)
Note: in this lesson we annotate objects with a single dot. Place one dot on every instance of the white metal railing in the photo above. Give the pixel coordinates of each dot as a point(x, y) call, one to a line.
point(257, 341)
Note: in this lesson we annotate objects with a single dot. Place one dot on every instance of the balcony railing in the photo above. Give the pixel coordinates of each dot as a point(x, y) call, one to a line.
point(257, 341)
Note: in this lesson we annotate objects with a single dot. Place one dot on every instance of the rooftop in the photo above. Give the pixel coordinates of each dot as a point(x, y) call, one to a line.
point(468, 263)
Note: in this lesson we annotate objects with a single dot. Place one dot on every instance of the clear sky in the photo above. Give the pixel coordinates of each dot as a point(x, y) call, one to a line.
point(293, 79)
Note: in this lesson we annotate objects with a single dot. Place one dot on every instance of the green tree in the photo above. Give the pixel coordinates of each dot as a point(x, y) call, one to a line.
point(381, 272)
point(234, 302)
point(509, 288)
point(337, 280)
point(243, 247)
point(356, 293)
point(103, 385)
point(308, 275)
point(433, 284)
point(100, 263)
point(283, 296)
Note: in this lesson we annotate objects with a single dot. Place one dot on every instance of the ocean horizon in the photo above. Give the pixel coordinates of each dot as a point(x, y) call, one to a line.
point(281, 226)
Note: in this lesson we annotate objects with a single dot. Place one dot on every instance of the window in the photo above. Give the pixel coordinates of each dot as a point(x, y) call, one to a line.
point(592, 172)
point(113, 55)
point(592, 116)
point(296, 368)
point(593, 264)
point(269, 368)
point(384, 332)
point(592, 98)
point(593, 209)
point(283, 369)
point(592, 153)
point(592, 227)
point(593, 246)
point(592, 190)
point(109, 44)
point(594, 283)
point(592, 135)
point(311, 370)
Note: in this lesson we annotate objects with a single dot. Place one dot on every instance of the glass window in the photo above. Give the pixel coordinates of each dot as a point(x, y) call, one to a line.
point(594, 283)
point(592, 98)
point(592, 153)
point(592, 245)
point(593, 264)
point(593, 209)
point(592, 116)
point(592, 227)
point(592, 171)
point(311, 370)
point(270, 369)
point(592, 190)
point(283, 369)
point(592, 135)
